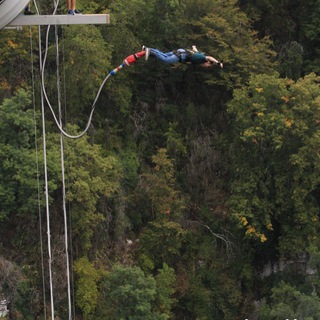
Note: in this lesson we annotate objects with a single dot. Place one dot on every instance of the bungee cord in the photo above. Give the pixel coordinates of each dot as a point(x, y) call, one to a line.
point(126, 62)
point(47, 99)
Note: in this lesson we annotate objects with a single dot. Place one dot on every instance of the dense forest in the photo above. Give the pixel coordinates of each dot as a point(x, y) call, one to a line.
point(195, 193)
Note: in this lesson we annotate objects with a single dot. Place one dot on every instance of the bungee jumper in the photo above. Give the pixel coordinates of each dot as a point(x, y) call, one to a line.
point(183, 56)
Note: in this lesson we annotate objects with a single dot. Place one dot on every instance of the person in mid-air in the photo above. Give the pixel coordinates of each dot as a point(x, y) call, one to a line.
point(184, 56)
point(71, 5)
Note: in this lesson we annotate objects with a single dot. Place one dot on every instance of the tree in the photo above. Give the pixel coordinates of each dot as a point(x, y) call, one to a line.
point(93, 176)
point(291, 60)
point(294, 28)
point(226, 32)
point(128, 294)
point(165, 282)
point(86, 286)
point(15, 61)
point(170, 235)
point(288, 302)
point(160, 187)
point(85, 63)
point(18, 173)
point(275, 168)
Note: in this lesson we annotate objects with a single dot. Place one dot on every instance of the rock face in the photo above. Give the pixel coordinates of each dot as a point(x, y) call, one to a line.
point(300, 265)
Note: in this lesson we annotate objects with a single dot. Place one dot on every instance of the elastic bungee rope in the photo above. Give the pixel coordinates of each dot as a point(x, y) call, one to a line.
point(49, 104)
point(126, 62)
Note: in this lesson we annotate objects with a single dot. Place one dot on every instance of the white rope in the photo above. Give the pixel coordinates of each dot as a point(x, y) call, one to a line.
point(36, 6)
point(42, 64)
point(47, 99)
point(38, 180)
point(63, 176)
point(45, 175)
point(46, 183)
point(52, 111)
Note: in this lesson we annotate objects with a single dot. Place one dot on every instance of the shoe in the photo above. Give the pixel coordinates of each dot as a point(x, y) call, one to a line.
point(221, 64)
point(147, 50)
point(77, 12)
point(70, 12)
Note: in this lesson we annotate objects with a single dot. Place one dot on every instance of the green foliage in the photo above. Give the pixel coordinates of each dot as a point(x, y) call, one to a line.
point(18, 173)
point(128, 294)
point(93, 177)
point(18, 288)
point(130, 163)
point(175, 143)
point(288, 302)
point(275, 122)
point(210, 286)
point(171, 237)
point(291, 60)
point(23, 308)
point(213, 295)
point(86, 59)
point(146, 20)
point(165, 281)
point(15, 61)
point(294, 27)
point(262, 156)
point(86, 286)
point(223, 31)
point(159, 186)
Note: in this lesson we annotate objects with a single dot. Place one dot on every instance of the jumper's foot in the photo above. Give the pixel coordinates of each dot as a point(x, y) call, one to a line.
point(147, 51)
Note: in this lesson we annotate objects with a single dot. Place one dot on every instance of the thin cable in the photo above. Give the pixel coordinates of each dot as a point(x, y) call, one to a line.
point(63, 175)
point(38, 179)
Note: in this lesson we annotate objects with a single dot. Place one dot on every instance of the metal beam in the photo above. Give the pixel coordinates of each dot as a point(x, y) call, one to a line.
point(39, 20)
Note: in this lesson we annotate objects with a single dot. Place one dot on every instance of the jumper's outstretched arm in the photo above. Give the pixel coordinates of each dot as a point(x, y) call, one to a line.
point(214, 60)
